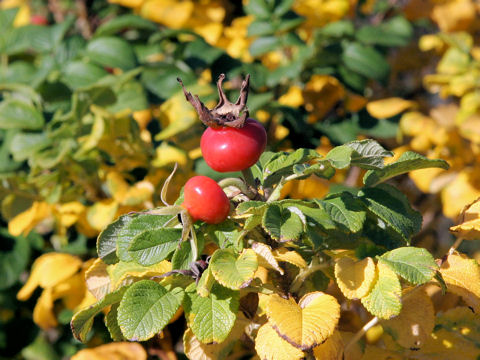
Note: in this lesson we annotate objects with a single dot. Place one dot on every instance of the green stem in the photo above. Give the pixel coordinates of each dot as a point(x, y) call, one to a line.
point(302, 276)
point(194, 244)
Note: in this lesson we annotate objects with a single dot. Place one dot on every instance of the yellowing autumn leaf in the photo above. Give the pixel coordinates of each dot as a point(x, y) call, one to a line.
point(355, 278)
point(454, 15)
point(43, 314)
point(386, 108)
point(291, 257)
point(123, 272)
point(97, 279)
point(24, 222)
point(265, 256)
point(331, 349)
point(293, 97)
point(113, 351)
point(48, 270)
point(306, 324)
point(270, 346)
point(413, 326)
point(469, 227)
point(171, 13)
point(462, 276)
point(321, 93)
point(459, 192)
point(102, 213)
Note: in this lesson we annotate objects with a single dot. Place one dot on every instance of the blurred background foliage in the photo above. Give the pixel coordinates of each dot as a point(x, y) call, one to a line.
point(92, 121)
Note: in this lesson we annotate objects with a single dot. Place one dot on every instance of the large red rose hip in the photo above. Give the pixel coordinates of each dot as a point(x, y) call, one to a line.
point(205, 200)
point(228, 149)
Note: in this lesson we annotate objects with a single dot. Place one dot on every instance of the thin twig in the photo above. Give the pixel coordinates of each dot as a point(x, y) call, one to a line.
point(361, 332)
point(82, 21)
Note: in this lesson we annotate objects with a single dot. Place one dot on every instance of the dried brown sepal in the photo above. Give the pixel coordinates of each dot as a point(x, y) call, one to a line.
point(224, 113)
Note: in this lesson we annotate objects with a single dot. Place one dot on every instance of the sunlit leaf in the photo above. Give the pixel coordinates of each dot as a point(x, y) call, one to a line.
point(462, 276)
point(270, 346)
point(355, 278)
point(469, 227)
point(387, 108)
point(113, 351)
point(97, 279)
point(306, 324)
point(231, 271)
point(331, 349)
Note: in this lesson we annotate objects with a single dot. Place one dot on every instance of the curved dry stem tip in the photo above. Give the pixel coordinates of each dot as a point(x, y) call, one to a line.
point(243, 97)
point(221, 94)
point(163, 193)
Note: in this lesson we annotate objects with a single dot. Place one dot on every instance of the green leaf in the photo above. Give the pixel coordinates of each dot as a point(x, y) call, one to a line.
point(384, 301)
point(112, 52)
point(14, 257)
point(407, 162)
point(82, 321)
point(111, 323)
point(393, 208)
point(395, 32)
point(282, 224)
point(337, 29)
point(282, 164)
point(232, 271)
point(15, 114)
point(365, 61)
point(340, 157)
point(79, 74)
point(123, 22)
point(153, 246)
point(416, 265)
point(107, 239)
point(212, 318)
point(345, 210)
point(261, 28)
point(368, 154)
point(258, 8)
point(125, 234)
point(263, 45)
point(24, 145)
point(130, 96)
point(146, 308)
point(183, 256)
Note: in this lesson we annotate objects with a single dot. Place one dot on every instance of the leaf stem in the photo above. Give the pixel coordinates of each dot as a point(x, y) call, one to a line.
point(361, 332)
point(455, 246)
point(193, 244)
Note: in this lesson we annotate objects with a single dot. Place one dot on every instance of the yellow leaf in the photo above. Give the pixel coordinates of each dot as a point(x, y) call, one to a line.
point(197, 350)
point(414, 123)
point(143, 118)
point(459, 192)
point(306, 324)
point(321, 93)
point(355, 278)
point(292, 257)
point(469, 227)
point(377, 353)
point(386, 108)
point(425, 178)
point(113, 351)
point(24, 222)
point(270, 346)
point(116, 185)
point(355, 102)
point(311, 188)
point(171, 13)
point(331, 349)
point(431, 42)
point(43, 314)
point(266, 257)
point(97, 279)
point(462, 276)
point(128, 3)
point(72, 291)
point(68, 213)
point(48, 270)
point(293, 97)
point(413, 326)
point(124, 273)
point(102, 213)
point(166, 154)
point(454, 15)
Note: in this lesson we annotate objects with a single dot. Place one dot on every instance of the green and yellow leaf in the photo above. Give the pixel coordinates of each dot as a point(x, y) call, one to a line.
point(355, 278)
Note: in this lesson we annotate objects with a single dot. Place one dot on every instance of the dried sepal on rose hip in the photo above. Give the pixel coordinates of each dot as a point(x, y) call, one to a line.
point(232, 141)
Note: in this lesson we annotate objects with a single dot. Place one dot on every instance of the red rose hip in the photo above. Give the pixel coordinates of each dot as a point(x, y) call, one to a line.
point(205, 200)
point(228, 149)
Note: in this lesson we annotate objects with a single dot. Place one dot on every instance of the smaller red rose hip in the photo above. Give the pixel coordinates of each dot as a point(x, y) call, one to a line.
point(205, 200)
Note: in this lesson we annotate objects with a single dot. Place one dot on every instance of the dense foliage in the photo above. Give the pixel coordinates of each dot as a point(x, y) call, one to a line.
point(371, 110)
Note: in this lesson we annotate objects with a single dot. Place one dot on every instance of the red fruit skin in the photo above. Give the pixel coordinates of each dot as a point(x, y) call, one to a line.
point(205, 200)
point(38, 20)
point(228, 149)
